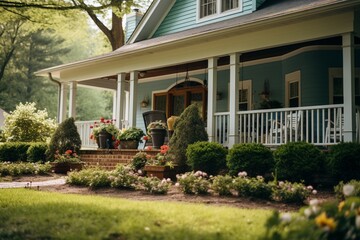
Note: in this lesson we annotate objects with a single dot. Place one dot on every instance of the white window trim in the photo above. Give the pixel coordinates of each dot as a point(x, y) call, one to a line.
point(290, 78)
point(218, 11)
point(337, 73)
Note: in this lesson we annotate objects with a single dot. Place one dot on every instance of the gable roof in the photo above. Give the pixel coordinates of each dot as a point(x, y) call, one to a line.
point(271, 12)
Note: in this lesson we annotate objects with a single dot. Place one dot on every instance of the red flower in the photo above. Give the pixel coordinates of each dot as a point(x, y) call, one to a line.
point(113, 138)
point(149, 148)
point(69, 152)
point(146, 138)
point(108, 121)
point(92, 136)
point(102, 120)
point(91, 126)
point(164, 149)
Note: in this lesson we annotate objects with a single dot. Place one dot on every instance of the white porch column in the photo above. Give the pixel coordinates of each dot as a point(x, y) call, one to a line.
point(212, 90)
point(349, 87)
point(120, 92)
point(234, 99)
point(63, 101)
point(72, 99)
point(133, 98)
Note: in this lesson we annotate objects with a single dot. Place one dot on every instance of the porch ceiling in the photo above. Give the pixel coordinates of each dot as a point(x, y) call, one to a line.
point(160, 57)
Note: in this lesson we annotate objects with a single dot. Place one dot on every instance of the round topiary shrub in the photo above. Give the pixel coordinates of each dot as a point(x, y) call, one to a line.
point(208, 157)
point(344, 161)
point(66, 137)
point(296, 161)
point(254, 158)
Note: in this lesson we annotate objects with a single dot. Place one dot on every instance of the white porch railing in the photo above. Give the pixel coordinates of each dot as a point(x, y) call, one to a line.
point(85, 132)
point(319, 125)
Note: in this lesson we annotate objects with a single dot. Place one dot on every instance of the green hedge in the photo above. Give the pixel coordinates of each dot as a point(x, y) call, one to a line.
point(22, 151)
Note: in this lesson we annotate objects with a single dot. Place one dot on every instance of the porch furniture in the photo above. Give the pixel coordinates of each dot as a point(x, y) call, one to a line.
point(152, 116)
point(286, 129)
point(334, 128)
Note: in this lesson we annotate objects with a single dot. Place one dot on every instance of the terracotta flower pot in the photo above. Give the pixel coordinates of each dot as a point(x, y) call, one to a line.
point(160, 172)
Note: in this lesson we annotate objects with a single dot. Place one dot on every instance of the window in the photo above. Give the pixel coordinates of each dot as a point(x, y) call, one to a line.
point(216, 7)
point(336, 87)
point(207, 7)
point(245, 95)
point(292, 89)
point(229, 4)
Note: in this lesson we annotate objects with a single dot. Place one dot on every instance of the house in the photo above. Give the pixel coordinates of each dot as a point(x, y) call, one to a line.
point(267, 71)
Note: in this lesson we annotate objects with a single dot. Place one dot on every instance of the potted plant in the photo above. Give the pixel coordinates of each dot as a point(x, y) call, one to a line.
point(157, 130)
point(161, 166)
point(130, 138)
point(67, 161)
point(104, 133)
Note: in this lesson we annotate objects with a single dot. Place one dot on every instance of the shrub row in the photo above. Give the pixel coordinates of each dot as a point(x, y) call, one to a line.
point(295, 161)
point(22, 151)
point(23, 168)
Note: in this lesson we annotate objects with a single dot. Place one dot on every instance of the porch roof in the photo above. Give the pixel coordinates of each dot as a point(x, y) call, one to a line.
point(272, 12)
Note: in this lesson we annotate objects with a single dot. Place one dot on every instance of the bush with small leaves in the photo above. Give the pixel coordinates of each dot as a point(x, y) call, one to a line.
point(252, 187)
point(14, 151)
point(292, 192)
point(222, 185)
point(344, 161)
point(188, 128)
point(193, 182)
point(37, 152)
point(346, 190)
point(123, 177)
point(139, 160)
point(22, 168)
point(90, 177)
point(154, 185)
point(209, 157)
point(298, 161)
point(254, 158)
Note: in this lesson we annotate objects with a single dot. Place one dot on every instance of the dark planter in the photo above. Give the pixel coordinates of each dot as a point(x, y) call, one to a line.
point(158, 137)
point(66, 167)
point(160, 172)
point(128, 144)
point(105, 140)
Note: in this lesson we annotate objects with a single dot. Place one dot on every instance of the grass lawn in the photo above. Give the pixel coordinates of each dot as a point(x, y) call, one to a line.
point(30, 214)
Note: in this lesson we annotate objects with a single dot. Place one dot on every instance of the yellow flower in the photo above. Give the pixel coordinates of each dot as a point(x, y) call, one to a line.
point(323, 221)
point(341, 205)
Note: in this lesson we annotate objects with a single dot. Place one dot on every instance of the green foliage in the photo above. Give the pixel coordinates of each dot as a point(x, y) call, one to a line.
point(193, 183)
point(131, 134)
point(254, 158)
point(139, 160)
point(326, 221)
point(292, 192)
point(27, 124)
point(16, 169)
point(252, 187)
point(154, 185)
point(346, 190)
point(91, 177)
point(37, 152)
point(209, 157)
point(14, 151)
point(188, 128)
point(344, 161)
point(66, 137)
point(123, 177)
point(68, 157)
point(296, 161)
point(222, 185)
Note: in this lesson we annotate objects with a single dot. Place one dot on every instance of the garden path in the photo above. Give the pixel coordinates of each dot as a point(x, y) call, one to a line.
point(31, 184)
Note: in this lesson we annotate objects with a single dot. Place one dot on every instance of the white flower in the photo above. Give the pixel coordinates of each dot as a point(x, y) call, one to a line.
point(147, 228)
point(177, 184)
point(168, 180)
point(307, 212)
point(348, 190)
point(242, 174)
point(281, 183)
point(314, 192)
point(310, 187)
point(260, 178)
point(314, 202)
point(357, 222)
point(139, 171)
point(286, 217)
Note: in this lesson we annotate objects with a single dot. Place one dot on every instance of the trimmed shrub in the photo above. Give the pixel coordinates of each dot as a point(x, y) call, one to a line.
point(193, 183)
point(254, 158)
point(222, 185)
point(297, 161)
point(91, 177)
point(344, 161)
point(139, 160)
point(22, 168)
point(66, 137)
point(208, 157)
point(37, 152)
point(188, 128)
point(252, 187)
point(14, 151)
